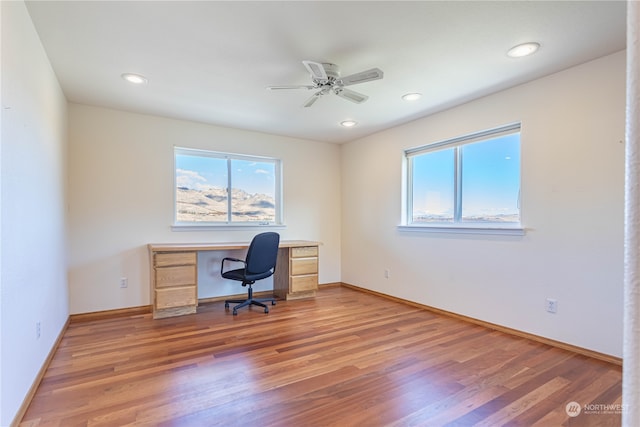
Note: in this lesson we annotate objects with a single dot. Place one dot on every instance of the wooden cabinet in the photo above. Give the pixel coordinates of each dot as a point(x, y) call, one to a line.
point(296, 272)
point(174, 278)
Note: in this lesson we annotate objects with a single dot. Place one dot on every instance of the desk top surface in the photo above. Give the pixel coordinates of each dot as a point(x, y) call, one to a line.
point(218, 246)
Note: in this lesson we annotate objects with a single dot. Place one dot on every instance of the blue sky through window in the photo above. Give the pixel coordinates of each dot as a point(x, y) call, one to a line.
point(491, 177)
point(433, 184)
point(490, 181)
point(202, 172)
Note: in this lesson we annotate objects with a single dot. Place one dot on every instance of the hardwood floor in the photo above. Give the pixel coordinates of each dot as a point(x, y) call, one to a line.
point(345, 358)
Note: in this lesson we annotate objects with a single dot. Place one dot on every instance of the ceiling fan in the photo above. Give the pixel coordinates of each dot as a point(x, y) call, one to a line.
point(326, 78)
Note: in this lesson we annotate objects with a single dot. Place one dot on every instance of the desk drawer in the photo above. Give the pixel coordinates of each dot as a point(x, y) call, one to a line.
point(175, 297)
point(304, 252)
point(175, 276)
point(304, 283)
point(304, 266)
point(165, 259)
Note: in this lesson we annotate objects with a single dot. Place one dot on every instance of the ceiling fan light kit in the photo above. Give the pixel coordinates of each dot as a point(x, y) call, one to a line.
point(326, 79)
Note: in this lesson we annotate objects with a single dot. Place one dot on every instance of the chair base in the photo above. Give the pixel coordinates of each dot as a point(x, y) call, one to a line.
point(249, 301)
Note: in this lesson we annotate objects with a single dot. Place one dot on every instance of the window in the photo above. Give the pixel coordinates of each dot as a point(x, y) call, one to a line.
point(470, 181)
point(203, 180)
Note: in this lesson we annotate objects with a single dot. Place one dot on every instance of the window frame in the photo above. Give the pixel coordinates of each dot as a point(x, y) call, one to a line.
point(229, 223)
point(457, 226)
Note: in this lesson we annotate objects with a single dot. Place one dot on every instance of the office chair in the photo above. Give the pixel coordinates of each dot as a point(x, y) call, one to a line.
point(260, 263)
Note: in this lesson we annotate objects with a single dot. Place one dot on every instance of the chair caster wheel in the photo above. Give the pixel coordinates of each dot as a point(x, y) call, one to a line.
point(266, 310)
point(226, 305)
point(235, 312)
point(273, 303)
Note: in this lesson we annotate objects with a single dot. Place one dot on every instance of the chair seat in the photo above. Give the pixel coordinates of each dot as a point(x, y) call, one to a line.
point(239, 274)
point(234, 274)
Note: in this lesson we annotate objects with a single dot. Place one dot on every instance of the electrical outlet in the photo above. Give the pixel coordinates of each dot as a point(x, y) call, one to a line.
point(38, 330)
point(124, 282)
point(387, 273)
point(551, 305)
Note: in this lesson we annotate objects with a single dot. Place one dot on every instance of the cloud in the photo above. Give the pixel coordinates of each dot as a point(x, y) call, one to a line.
point(189, 179)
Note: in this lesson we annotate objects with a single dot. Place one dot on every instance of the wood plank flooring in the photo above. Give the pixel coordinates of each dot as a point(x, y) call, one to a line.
point(345, 358)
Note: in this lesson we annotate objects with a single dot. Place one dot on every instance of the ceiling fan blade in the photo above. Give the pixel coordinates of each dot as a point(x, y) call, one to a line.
point(316, 69)
point(317, 95)
point(312, 100)
point(363, 76)
point(352, 96)
point(291, 87)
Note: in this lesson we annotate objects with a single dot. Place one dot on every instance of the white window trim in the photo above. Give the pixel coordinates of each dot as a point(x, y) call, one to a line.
point(204, 226)
point(454, 228)
point(210, 226)
point(465, 229)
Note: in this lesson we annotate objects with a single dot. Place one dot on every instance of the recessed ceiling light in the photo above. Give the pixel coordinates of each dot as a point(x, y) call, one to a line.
point(348, 123)
point(412, 96)
point(523, 49)
point(136, 79)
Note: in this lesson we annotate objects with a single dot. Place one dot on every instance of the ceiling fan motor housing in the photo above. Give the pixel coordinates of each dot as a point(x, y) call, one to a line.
point(332, 70)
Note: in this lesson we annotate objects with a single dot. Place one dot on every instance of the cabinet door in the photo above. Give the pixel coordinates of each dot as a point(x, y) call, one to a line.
point(166, 259)
point(304, 283)
point(304, 266)
point(175, 276)
point(175, 297)
point(304, 252)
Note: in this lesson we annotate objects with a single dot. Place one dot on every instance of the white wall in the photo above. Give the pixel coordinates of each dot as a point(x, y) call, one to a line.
point(573, 125)
point(121, 198)
point(32, 233)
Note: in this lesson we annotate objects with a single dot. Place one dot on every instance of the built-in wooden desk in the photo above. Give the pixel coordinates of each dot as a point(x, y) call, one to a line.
point(174, 273)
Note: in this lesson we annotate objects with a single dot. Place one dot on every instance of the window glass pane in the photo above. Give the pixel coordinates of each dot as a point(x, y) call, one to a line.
point(433, 186)
point(491, 180)
point(253, 195)
point(202, 181)
point(201, 188)
point(472, 179)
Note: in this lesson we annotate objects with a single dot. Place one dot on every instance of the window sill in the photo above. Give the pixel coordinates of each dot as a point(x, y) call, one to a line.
point(464, 229)
point(217, 227)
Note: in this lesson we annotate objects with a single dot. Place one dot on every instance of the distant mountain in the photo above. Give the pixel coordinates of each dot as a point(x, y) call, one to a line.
point(503, 218)
point(211, 205)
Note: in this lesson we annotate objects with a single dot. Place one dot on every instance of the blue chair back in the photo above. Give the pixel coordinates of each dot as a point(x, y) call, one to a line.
point(262, 253)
